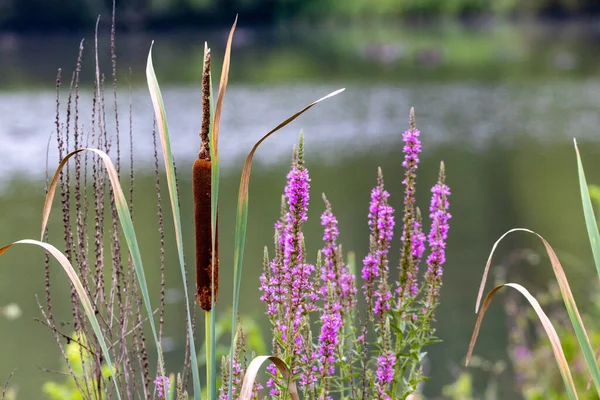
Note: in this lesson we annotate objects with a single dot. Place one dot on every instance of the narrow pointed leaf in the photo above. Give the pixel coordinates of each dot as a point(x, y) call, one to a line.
point(163, 129)
point(567, 296)
point(252, 371)
point(588, 211)
point(222, 89)
point(83, 298)
point(557, 349)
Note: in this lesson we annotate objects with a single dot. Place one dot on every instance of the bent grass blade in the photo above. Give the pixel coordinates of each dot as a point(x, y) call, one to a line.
point(567, 296)
point(557, 349)
point(126, 225)
point(83, 298)
point(252, 371)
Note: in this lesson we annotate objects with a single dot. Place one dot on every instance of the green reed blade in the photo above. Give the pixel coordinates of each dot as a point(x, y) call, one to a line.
point(557, 349)
point(163, 129)
point(126, 225)
point(588, 211)
point(214, 149)
point(241, 222)
point(83, 298)
point(567, 296)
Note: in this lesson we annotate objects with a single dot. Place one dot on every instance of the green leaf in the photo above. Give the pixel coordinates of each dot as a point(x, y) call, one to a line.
point(567, 296)
point(557, 349)
point(165, 141)
point(215, 129)
point(588, 212)
point(83, 298)
point(126, 225)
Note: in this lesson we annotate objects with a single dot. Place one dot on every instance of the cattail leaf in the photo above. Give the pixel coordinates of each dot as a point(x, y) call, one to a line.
point(567, 296)
point(215, 129)
point(252, 371)
point(588, 211)
point(557, 349)
point(222, 89)
point(590, 219)
point(242, 219)
point(83, 298)
point(163, 129)
point(126, 225)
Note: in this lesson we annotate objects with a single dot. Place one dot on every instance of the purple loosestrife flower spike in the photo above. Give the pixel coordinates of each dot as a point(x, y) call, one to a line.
point(288, 287)
point(163, 385)
point(408, 267)
point(437, 238)
point(333, 271)
point(375, 264)
point(329, 339)
point(384, 374)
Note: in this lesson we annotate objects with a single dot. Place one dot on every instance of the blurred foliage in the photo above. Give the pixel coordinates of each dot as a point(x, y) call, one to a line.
point(463, 387)
point(533, 362)
point(78, 355)
point(136, 14)
point(11, 311)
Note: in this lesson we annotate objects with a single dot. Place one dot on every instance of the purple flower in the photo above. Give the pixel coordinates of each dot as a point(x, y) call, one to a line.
point(163, 385)
point(385, 373)
point(287, 283)
point(412, 238)
point(333, 271)
point(375, 264)
point(437, 238)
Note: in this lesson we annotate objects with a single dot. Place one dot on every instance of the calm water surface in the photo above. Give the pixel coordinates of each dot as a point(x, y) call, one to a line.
point(500, 107)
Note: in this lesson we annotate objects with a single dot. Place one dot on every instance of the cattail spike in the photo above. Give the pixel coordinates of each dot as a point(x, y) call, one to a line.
point(201, 180)
point(202, 187)
point(205, 128)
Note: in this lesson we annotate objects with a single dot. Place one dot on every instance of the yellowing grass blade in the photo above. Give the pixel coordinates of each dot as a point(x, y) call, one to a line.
point(222, 89)
point(211, 367)
point(126, 225)
point(559, 354)
point(252, 371)
point(567, 296)
point(242, 219)
point(83, 298)
point(588, 211)
point(165, 141)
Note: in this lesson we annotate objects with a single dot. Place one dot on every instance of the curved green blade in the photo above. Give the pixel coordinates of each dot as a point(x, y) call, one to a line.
point(83, 298)
point(165, 141)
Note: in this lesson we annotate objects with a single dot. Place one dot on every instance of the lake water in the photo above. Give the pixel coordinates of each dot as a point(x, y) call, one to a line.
point(500, 105)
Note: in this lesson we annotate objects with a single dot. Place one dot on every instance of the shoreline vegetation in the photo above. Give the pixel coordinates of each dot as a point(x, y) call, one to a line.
point(144, 15)
point(494, 51)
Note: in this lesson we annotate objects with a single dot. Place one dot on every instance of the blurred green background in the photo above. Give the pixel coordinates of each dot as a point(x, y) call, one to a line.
point(499, 93)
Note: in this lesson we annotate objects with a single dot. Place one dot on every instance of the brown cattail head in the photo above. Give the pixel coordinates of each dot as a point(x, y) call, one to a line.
point(202, 183)
point(201, 180)
point(205, 128)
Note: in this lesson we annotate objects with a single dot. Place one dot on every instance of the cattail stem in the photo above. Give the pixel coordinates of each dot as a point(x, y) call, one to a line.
point(202, 186)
